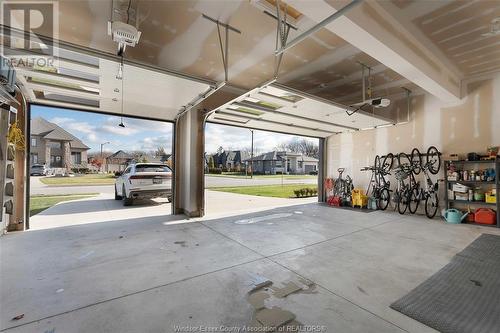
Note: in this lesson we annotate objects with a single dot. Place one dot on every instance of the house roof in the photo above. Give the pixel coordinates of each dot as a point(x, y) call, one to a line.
point(278, 155)
point(120, 154)
point(270, 156)
point(51, 131)
point(309, 159)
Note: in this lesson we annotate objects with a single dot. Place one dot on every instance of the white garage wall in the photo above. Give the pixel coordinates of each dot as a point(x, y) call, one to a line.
point(473, 124)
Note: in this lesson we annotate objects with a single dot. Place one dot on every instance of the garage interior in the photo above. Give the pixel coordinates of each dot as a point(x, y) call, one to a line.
point(367, 78)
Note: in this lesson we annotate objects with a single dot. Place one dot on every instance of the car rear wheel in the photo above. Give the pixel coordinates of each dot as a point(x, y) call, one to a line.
point(117, 197)
point(126, 201)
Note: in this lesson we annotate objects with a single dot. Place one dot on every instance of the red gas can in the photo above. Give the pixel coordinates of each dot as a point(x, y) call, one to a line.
point(334, 201)
point(485, 216)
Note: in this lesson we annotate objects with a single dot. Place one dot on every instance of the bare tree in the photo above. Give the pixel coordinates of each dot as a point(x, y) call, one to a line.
point(300, 146)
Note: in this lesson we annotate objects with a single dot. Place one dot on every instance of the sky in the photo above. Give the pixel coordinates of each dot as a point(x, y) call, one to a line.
point(93, 129)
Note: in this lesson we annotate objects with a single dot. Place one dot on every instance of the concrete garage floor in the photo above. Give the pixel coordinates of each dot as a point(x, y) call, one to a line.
point(150, 274)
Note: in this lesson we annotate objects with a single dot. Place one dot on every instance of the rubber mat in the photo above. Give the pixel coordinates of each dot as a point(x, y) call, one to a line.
point(464, 296)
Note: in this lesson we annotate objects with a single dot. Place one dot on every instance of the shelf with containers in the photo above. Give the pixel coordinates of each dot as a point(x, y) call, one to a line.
point(472, 185)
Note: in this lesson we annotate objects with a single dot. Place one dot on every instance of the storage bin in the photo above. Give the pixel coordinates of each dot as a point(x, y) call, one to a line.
point(460, 188)
point(461, 196)
point(491, 197)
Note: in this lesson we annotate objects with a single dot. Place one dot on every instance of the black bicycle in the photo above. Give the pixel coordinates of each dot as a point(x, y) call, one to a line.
point(378, 183)
point(429, 194)
point(401, 194)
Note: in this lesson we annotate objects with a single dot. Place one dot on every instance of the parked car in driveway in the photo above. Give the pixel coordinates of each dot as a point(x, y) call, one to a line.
point(144, 181)
point(38, 170)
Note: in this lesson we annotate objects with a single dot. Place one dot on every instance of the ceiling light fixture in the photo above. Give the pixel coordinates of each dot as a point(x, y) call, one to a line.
point(494, 28)
point(373, 102)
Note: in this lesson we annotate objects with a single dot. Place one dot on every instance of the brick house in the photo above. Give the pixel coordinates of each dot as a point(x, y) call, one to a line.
point(55, 147)
point(277, 162)
point(230, 160)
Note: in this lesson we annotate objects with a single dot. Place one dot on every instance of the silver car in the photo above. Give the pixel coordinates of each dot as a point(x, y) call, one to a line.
point(38, 170)
point(144, 181)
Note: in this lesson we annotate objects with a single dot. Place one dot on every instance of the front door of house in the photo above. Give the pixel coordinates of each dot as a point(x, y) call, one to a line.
point(56, 161)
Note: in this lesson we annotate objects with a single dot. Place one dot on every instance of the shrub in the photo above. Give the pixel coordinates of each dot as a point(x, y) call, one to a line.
point(297, 193)
point(80, 170)
point(216, 171)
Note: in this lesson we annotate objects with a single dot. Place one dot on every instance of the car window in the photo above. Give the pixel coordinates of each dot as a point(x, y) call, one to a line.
point(152, 168)
point(127, 170)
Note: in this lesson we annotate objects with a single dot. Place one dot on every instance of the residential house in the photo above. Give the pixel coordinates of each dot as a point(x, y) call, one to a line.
point(277, 162)
point(118, 161)
point(230, 160)
point(55, 147)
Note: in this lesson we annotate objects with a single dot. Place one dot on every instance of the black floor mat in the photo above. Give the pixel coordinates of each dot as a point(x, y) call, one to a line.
point(464, 296)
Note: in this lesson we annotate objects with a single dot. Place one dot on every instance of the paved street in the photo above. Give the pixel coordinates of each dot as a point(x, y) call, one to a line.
point(37, 187)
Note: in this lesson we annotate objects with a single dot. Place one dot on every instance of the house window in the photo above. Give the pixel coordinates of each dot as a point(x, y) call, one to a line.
point(34, 158)
point(33, 142)
point(56, 145)
point(76, 157)
point(301, 164)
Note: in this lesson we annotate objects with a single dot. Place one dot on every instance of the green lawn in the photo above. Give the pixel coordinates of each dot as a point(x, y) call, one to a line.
point(91, 179)
point(39, 203)
point(237, 175)
point(277, 191)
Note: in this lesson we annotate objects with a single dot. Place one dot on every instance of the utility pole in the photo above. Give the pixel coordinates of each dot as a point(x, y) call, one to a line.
point(102, 144)
point(251, 157)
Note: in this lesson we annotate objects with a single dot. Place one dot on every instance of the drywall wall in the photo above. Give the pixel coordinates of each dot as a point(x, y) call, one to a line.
point(472, 124)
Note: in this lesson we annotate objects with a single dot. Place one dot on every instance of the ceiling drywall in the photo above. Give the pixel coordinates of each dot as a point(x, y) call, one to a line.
point(176, 38)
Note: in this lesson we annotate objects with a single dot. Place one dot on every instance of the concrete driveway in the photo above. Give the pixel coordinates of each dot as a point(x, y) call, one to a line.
point(103, 208)
point(37, 187)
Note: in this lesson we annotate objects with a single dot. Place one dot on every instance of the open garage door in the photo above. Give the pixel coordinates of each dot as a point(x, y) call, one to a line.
point(93, 168)
point(278, 108)
point(86, 93)
point(249, 170)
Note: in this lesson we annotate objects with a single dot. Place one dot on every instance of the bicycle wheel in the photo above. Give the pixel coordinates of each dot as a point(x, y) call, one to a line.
point(416, 159)
point(433, 158)
point(402, 202)
point(387, 162)
point(413, 200)
point(384, 199)
point(431, 205)
point(403, 158)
